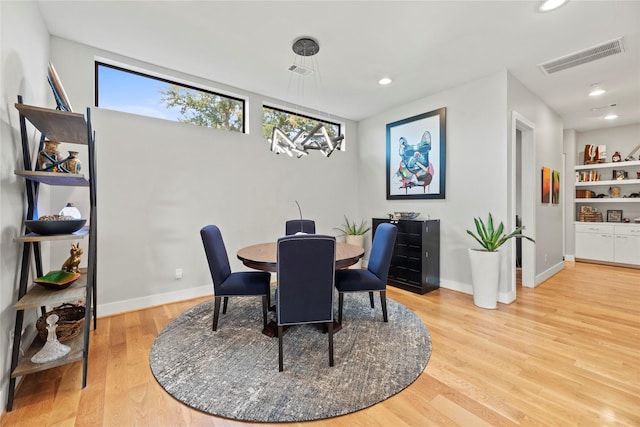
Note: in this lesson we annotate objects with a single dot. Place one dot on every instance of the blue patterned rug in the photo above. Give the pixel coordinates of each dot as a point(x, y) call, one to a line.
point(233, 373)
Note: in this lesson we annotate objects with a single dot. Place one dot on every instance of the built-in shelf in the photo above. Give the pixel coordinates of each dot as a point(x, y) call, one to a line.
point(610, 200)
point(610, 182)
point(608, 165)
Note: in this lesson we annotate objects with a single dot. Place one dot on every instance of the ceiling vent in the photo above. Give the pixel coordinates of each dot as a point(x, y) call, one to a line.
point(588, 55)
point(300, 70)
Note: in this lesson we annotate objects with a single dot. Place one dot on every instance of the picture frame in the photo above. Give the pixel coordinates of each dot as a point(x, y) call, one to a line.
point(586, 209)
point(555, 188)
point(614, 215)
point(416, 156)
point(546, 185)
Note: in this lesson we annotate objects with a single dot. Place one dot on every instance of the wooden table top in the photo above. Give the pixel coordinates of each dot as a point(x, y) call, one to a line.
point(264, 256)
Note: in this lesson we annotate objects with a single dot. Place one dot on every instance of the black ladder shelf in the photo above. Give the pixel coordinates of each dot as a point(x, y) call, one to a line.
point(66, 127)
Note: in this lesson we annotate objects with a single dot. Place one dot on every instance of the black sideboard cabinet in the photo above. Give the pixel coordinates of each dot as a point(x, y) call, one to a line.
point(415, 265)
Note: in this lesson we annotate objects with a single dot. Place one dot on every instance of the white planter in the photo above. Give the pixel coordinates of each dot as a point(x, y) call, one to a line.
point(357, 240)
point(485, 272)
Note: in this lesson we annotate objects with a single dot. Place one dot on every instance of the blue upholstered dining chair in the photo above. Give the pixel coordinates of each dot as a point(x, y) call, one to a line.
point(227, 284)
point(294, 226)
point(306, 272)
point(374, 278)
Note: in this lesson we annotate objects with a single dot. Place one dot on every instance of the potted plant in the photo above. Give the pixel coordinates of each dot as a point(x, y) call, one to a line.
point(354, 235)
point(485, 262)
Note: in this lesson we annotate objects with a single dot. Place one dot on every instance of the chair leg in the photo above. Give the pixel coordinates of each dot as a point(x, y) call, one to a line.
point(371, 299)
point(224, 306)
point(280, 361)
point(265, 305)
point(340, 304)
point(216, 312)
point(330, 327)
point(383, 301)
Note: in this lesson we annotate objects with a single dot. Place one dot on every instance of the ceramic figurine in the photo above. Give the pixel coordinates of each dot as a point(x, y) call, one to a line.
point(72, 263)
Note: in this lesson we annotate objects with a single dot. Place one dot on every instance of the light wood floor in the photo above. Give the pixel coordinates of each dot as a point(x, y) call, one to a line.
point(566, 353)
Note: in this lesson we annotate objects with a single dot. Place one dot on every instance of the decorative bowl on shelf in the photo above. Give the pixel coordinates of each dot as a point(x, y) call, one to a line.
point(58, 279)
point(46, 228)
point(406, 215)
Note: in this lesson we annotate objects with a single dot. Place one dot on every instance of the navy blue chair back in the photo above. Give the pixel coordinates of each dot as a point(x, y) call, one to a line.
point(306, 274)
point(382, 250)
point(216, 254)
point(294, 226)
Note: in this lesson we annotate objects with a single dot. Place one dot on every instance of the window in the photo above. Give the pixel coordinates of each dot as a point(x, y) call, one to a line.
point(291, 123)
point(138, 93)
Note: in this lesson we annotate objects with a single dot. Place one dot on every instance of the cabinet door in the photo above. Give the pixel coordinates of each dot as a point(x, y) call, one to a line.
point(595, 246)
point(627, 249)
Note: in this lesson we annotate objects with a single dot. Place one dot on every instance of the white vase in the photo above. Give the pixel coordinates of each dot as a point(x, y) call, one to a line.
point(357, 240)
point(485, 272)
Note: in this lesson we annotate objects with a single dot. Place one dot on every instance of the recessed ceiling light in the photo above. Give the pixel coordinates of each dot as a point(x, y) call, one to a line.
point(384, 81)
point(549, 5)
point(611, 117)
point(597, 92)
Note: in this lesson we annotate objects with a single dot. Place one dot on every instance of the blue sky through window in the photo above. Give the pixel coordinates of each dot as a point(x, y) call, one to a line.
point(133, 93)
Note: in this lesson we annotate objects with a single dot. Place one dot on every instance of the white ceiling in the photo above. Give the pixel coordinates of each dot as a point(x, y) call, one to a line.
point(425, 46)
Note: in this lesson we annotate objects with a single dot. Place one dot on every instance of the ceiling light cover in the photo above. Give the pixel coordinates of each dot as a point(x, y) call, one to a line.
point(550, 5)
point(384, 81)
point(611, 117)
point(597, 92)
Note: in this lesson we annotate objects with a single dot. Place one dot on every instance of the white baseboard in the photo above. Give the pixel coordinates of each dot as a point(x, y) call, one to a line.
point(153, 300)
point(553, 270)
point(457, 286)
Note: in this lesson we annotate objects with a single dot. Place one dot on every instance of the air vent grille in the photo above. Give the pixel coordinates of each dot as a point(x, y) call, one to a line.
point(588, 55)
point(300, 70)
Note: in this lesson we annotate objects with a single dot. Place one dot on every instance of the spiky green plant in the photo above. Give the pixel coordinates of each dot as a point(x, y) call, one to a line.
point(491, 239)
point(352, 228)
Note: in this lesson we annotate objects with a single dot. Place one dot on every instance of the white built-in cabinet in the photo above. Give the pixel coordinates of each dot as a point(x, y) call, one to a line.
point(619, 243)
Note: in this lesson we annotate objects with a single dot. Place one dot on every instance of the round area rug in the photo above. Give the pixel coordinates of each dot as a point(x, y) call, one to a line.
point(233, 372)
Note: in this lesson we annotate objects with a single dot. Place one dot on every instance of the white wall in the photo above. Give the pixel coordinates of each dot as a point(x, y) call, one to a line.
point(475, 168)
point(548, 152)
point(23, 68)
point(159, 182)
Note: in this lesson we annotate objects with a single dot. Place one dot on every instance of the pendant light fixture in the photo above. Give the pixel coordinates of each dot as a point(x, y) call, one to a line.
point(299, 143)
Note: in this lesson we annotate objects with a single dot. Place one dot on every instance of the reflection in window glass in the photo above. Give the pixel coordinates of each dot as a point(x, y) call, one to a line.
point(137, 93)
point(292, 123)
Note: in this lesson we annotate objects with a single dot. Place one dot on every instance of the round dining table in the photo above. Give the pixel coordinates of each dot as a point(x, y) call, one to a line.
point(264, 256)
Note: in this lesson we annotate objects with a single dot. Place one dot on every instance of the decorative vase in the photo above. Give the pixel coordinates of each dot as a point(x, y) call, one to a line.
point(73, 164)
point(49, 156)
point(52, 349)
point(485, 274)
point(357, 240)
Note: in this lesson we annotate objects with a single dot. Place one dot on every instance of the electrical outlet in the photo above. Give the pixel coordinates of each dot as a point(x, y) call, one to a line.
point(545, 257)
point(178, 273)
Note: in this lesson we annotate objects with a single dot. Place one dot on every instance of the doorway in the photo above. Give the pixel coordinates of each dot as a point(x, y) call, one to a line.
point(523, 198)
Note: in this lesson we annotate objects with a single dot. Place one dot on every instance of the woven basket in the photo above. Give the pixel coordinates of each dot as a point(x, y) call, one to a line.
point(71, 319)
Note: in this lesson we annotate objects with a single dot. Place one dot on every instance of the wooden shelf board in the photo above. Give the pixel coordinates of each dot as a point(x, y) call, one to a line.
point(25, 366)
point(56, 125)
point(33, 237)
point(38, 296)
point(55, 178)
